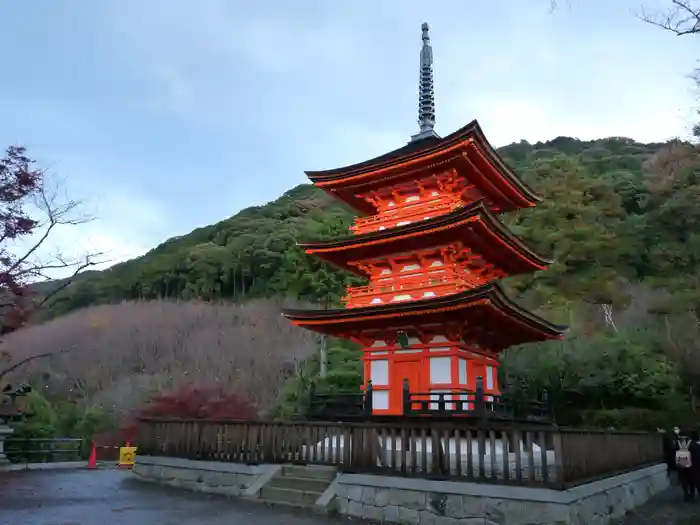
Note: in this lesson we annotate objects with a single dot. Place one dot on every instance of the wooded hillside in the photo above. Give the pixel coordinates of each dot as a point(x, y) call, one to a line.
point(600, 184)
point(620, 218)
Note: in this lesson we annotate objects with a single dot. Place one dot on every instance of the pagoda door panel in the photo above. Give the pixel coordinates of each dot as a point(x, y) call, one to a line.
point(410, 370)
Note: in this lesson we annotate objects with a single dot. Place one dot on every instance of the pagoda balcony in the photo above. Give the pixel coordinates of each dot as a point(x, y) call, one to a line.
point(402, 215)
point(376, 294)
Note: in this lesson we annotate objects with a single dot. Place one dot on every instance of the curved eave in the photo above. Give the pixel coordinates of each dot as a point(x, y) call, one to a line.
point(416, 150)
point(410, 151)
point(489, 297)
point(521, 259)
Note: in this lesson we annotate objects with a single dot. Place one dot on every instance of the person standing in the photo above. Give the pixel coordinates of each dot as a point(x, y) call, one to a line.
point(684, 464)
point(670, 447)
point(694, 449)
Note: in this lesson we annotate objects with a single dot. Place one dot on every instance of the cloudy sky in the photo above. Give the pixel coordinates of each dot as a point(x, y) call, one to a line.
point(166, 115)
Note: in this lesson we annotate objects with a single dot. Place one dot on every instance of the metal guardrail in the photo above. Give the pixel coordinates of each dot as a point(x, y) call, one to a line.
point(46, 450)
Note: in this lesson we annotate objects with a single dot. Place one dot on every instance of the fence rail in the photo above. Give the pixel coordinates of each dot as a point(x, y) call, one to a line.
point(511, 405)
point(508, 455)
point(45, 450)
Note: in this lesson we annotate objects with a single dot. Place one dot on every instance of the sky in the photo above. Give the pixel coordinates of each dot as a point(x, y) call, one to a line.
point(166, 115)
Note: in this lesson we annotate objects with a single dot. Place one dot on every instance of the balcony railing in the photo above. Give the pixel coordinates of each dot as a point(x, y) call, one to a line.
point(438, 285)
point(409, 213)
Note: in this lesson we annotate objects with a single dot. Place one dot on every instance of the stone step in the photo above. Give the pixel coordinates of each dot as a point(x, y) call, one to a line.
point(304, 484)
point(309, 472)
point(300, 498)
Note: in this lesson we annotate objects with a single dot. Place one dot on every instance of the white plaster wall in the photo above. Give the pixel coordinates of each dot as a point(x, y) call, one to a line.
point(462, 366)
point(440, 370)
point(379, 372)
point(489, 377)
point(380, 399)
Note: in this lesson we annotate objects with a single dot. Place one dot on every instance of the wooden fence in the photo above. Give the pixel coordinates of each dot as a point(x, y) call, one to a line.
point(511, 405)
point(558, 458)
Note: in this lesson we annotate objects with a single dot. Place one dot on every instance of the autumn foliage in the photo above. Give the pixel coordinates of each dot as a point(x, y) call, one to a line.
point(30, 213)
point(189, 402)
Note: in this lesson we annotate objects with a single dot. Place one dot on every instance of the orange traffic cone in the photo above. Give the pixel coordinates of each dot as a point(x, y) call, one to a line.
point(92, 461)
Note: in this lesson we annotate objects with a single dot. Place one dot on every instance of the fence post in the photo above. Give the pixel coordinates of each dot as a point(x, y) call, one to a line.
point(356, 445)
point(368, 399)
point(479, 402)
point(407, 408)
point(559, 475)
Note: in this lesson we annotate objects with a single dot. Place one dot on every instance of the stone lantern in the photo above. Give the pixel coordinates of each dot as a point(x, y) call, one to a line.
point(8, 410)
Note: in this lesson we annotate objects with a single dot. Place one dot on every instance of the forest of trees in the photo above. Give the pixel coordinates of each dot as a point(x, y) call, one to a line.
point(253, 253)
point(619, 217)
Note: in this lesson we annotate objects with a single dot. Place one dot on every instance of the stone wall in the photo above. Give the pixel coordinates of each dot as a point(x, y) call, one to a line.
point(419, 501)
point(426, 502)
point(213, 477)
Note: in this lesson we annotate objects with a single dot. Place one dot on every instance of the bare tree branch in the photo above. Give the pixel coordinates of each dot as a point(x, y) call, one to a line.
point(31, 211)
point(11, 368)
point(683, 18)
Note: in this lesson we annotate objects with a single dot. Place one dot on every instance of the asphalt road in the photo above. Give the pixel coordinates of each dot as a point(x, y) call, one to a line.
point(112, 497)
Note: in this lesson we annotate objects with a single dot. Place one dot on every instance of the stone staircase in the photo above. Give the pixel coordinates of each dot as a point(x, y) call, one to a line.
point(299, 486)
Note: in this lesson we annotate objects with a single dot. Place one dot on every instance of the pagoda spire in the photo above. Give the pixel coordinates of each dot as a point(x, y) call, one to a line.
point(426, 93)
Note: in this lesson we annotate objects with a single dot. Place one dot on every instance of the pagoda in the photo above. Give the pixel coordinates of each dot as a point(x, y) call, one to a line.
point(431, 246)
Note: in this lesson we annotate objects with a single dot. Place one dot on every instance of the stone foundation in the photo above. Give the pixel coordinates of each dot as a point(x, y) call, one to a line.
point(420, 501)
point(426, 502)
point(213, 477)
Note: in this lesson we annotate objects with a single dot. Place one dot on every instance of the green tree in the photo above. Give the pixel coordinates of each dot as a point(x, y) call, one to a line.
point(581, 223)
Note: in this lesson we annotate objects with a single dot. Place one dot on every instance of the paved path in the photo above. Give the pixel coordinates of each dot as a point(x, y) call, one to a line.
point(668, 508)
point(112, 497)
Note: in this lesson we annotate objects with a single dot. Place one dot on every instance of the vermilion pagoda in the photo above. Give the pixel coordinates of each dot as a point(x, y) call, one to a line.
point(432, 248)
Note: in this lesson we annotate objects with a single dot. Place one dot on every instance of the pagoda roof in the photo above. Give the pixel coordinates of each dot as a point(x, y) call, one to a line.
point(485, 315)
point(475, 225)
point(407, 160)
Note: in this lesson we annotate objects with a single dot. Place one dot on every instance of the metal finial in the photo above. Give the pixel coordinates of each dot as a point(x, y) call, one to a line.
point(426, 94)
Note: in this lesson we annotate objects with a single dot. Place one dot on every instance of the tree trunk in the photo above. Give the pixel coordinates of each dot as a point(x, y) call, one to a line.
point(323, 350)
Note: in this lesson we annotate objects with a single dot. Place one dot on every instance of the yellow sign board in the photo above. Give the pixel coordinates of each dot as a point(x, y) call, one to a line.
point(126, 456)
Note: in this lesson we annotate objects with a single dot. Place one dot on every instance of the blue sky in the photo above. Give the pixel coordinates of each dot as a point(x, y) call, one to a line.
point(166, 115)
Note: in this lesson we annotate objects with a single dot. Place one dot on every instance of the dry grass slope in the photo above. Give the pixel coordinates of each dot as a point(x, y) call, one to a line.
point(115, 356)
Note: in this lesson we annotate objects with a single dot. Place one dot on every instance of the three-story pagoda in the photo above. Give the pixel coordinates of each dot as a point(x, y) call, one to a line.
point(432, 248)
